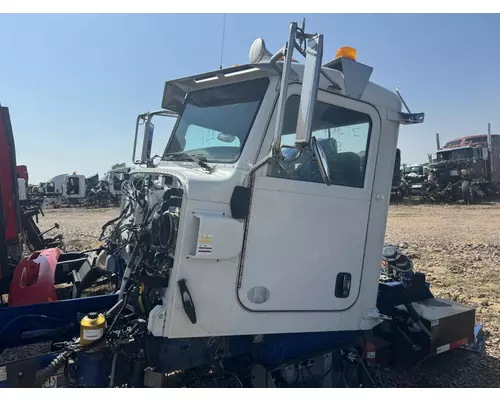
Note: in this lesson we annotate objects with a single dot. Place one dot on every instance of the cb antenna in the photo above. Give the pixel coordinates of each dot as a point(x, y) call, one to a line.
point(222, 44)
point(402, 100)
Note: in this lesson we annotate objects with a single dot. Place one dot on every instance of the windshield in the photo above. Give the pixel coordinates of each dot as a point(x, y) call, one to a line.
point(478, 139)
point(454, 142)
point(215, 122)
point(459, 154)
point(416, 170)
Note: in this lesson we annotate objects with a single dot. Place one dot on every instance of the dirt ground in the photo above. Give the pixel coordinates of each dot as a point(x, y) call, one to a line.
point(458, 248)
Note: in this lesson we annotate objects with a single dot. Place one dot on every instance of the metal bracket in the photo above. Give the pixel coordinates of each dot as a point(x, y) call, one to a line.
point(405, 118)
point(376, 315)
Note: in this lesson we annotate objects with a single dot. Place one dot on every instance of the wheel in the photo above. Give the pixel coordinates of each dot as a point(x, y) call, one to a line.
point(467, 193)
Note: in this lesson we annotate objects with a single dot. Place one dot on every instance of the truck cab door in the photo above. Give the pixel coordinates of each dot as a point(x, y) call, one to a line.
point(305, 241)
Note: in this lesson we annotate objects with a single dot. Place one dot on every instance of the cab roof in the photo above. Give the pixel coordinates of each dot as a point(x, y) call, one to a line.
point(176, 90)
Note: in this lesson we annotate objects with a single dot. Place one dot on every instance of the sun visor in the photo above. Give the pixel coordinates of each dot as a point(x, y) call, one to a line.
point(173, 97)
point(175, 91)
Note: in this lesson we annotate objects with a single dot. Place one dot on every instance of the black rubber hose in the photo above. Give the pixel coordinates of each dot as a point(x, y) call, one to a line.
point(52, 368)
point(62, 358)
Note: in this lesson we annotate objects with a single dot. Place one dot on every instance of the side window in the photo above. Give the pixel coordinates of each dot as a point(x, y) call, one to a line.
point(344, 135)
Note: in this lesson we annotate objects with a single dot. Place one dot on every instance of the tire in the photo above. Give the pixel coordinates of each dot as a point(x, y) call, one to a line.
point(467, 194)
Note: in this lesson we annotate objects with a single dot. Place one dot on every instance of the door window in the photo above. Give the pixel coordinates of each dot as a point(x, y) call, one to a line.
point(73, 186)
point(344, 135)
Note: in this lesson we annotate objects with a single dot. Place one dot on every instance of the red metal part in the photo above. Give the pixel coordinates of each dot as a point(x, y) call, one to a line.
point(8, 181)
point(470, 141)
point(33, 280)
point(9, 199)
point(22, 172)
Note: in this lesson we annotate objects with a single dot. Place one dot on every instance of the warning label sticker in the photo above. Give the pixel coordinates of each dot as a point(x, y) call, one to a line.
point(205, 243)
point(93, 334)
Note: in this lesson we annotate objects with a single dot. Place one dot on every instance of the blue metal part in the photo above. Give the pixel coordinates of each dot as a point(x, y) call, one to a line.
point(19, 324)
point(166, 355)
point(47, 322)
point(93, 369)
point(477, 329)
point(276, 349)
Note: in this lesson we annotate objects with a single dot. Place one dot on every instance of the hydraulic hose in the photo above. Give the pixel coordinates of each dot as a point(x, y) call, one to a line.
point(62, 358)
point(52, 368)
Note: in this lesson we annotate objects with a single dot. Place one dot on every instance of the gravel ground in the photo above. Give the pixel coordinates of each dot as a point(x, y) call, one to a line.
point(458, 247)
point(80, 227)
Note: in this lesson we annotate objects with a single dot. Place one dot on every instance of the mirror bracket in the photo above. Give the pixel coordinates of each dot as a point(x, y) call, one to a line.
point(405, 118)
point(309, 93)
point(287, 67)
point(145, 119)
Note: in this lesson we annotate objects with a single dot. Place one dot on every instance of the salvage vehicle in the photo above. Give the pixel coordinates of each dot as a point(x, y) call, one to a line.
point(468, 168)
point(18, 228)
point(208, 288)
point(75, 190)
point(115, 179)
point(415, 175)
point(400, 187)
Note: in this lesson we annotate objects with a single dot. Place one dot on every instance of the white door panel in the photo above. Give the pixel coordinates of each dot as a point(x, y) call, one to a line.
point(294, 262)
point(301, 235)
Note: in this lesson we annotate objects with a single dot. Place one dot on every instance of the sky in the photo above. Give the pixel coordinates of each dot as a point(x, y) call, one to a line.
point(74, 84)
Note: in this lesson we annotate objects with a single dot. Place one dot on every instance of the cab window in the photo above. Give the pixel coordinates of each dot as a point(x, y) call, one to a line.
point(344, 135)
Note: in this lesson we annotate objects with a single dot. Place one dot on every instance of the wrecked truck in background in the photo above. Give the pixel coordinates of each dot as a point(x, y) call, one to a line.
point(400, 187)
point(467, 169)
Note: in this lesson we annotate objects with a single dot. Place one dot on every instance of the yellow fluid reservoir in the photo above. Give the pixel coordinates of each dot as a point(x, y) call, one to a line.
point(92, 327)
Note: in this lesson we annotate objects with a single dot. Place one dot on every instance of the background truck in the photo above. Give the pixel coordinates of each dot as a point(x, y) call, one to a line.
point(466, 169)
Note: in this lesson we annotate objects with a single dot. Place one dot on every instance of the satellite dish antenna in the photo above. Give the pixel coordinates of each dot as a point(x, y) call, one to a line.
point(258, 52)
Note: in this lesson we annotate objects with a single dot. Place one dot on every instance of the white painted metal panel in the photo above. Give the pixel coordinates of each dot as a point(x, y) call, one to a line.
point(301, 235)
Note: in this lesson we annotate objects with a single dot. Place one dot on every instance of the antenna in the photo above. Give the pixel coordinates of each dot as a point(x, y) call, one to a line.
point(402, 100)
point(222, 44)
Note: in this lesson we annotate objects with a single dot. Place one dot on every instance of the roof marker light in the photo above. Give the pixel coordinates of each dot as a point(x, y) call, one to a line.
point(346, 52)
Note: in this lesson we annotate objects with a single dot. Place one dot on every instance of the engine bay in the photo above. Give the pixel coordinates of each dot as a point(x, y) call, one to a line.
point(143, 238)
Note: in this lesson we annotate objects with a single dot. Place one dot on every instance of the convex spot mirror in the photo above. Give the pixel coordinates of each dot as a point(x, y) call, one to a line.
point(226, 137)
point(320, 156)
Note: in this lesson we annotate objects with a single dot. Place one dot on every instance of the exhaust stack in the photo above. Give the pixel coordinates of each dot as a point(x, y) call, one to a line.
point(437, 142)
point(489, 136)
point(490, 149)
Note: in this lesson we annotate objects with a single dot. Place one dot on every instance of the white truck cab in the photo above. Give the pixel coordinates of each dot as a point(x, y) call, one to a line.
point(284, 171)
point(70, 187)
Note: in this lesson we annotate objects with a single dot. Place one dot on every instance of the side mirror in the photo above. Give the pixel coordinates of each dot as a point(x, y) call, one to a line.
point(309, 93)
point(322, 161)
point(226, 137)
point(149, 130)
point(145, 119)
